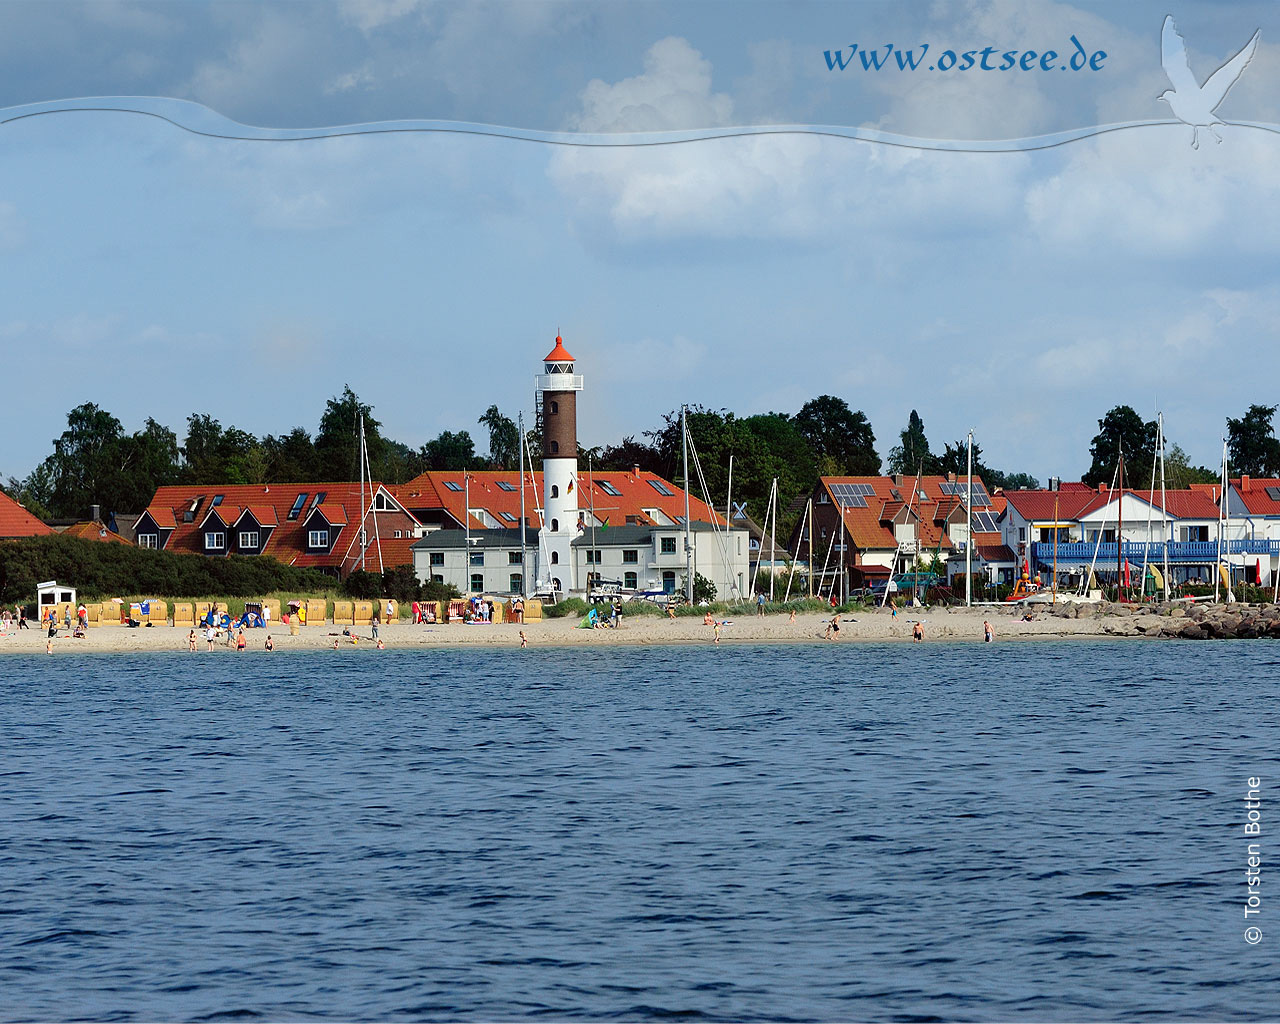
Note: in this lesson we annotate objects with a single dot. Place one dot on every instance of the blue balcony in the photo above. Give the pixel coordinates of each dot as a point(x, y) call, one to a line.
point(1201, 552)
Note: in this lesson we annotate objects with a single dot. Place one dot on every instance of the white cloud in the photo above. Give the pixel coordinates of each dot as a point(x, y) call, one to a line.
point(368, 15)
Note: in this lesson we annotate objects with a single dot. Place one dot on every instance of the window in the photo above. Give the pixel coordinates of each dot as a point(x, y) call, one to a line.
point(509, 517)
point(630, 557)
point(823, 499)
point(555, 558)
point(555, 490)
point(248, 539)
point(215, 541)
point(397, 534)
point(381, 503)
point(437, 579)
point(609, 489)
point(298, 502)
point(148, 540)
point(553, 408)
point(437, 558)
point(318, 539)
point(217, 500)
point(514, 557)
point(555, 526)
point(516, 581)
point(1022, 533)
point(593, 557)
point(556, 585)
point(661, 488)
point(453, 485)
point(477, 581)
point(668, 545)
point(476, 558)
point(319, 498)
point(504, 486)
point(555, 447)
point(668, 582)
point(629, 580)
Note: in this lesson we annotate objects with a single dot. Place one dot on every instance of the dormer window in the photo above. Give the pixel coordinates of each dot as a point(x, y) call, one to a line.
point(215, 542)
point(317, 539)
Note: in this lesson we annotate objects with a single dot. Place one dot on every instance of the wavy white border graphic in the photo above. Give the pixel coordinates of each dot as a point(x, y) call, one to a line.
point(1192, 104)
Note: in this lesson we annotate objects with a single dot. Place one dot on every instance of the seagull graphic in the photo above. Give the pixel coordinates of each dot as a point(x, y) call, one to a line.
point(1192, 103)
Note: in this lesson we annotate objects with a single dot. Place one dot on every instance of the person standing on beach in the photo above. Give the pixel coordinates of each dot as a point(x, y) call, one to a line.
point(524, 640)
point(374, 623)
point(987, 632)
point(22, 618)
point(833, 628)
point(716, 630)
point(210, 634)
point(760, 603)
point(917, 632)
point(191, 641)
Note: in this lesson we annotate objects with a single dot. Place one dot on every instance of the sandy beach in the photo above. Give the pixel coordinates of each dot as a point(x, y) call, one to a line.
point(877, 625)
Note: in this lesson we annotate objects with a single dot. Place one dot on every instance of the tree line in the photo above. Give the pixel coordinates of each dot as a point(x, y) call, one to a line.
point(95, 461)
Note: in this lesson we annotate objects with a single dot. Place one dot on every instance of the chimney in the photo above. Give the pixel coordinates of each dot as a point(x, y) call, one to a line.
point(951, 478)
point(1102, 488)
point(635, 471)
point(1244, 483)
point(95, 512)
point(897, 479)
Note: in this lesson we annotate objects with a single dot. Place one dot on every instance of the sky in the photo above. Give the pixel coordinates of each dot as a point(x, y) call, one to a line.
point(161, 273)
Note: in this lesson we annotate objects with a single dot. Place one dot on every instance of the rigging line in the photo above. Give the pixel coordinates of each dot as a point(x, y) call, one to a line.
point(1084, 584)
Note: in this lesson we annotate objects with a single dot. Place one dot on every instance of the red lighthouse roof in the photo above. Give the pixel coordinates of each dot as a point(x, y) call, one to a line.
point(559, 354)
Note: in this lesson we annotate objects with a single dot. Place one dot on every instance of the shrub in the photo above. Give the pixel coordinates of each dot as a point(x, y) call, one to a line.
point(100, 570)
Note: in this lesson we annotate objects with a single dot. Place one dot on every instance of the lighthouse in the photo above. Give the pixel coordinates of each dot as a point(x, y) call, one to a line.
point(558, 388)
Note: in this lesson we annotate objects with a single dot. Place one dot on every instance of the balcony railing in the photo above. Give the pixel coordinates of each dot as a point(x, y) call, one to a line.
point(1200, 551)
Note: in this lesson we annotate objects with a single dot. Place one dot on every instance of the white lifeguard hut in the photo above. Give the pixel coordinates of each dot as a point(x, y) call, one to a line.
point(52, 594)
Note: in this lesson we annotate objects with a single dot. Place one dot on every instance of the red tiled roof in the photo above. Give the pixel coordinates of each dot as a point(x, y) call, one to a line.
point(286, 538)
point(90, 530)
point(16, 521)
point(1255, 497)
point(489, 491)
point(1037, 506)
point(871, 527)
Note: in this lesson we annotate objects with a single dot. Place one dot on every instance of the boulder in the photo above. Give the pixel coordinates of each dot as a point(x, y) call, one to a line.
point(1193, 631)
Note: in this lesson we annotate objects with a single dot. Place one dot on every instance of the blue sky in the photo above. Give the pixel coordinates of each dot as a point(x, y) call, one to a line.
point(160, 273)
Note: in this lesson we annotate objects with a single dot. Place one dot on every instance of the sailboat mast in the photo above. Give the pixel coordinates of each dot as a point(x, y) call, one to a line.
point(1164, 507)
point(1120, 529)
point(728, 527)
point(968, 544)
point(524, 555)
point(363, 518)
point(688, 547)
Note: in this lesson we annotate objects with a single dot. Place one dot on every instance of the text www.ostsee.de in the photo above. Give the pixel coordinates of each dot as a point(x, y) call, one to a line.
point(988, 58)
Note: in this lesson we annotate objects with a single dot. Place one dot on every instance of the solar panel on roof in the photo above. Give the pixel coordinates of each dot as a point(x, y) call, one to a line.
point(846, 495)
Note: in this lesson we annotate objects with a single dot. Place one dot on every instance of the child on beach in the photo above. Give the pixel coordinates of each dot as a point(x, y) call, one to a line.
point(191, 641)
point(524, 640)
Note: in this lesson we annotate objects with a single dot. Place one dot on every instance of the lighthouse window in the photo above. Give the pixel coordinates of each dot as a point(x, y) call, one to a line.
point(555, 491)
point(555, 447)
point(554, 408)
point(555, 526)
point(555, 558)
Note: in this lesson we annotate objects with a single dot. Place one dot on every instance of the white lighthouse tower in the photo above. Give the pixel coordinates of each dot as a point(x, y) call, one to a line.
point(558, 387)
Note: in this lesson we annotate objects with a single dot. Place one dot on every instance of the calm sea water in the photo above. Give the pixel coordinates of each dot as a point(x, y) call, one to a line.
point(1014, 831)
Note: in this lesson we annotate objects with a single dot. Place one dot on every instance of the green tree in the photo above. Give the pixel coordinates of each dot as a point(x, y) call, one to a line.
point(1123, 428)
point(627, 454)
point(85, 465)
point(1252, 447)
point(911, 455)
point(337, 442)
point(1179, 473)
point(450, 451)
point(291, 458)
point(841, 440)
point(504, 439)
